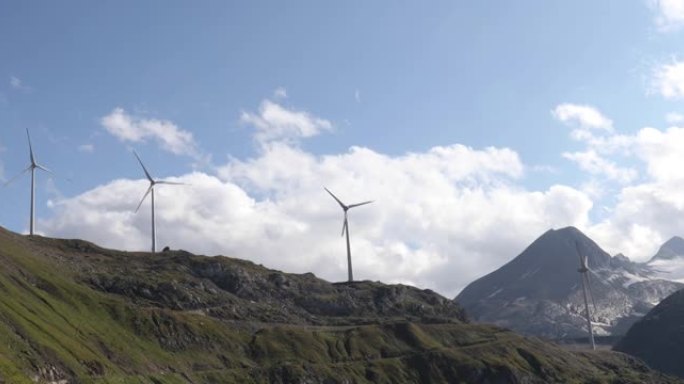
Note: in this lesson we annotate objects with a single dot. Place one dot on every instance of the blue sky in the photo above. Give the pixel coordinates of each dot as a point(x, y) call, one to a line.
point(261, 103)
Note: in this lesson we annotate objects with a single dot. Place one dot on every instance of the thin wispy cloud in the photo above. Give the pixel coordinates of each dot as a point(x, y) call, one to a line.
point(166, 134)
point(674, 118)
point(86, 148)
point(280, 93)
point(17, 84)
point(595, 164)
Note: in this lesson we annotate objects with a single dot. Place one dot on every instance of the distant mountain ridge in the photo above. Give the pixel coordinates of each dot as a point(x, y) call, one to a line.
point(72, 312)
point(539, 291)
point(658, 338)
point(671, 249)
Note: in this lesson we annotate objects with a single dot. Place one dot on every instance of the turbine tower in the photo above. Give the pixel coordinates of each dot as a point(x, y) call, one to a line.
point(32, 167)
point(150, 191)
point(586, 290)
point(345, 228)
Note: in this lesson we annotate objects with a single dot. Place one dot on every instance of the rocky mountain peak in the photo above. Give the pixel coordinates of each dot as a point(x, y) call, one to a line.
point(671, 249)
point(539, 291)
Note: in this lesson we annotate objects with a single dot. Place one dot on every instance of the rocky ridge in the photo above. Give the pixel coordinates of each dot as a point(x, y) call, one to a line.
point(71, 312)
point(539, 292)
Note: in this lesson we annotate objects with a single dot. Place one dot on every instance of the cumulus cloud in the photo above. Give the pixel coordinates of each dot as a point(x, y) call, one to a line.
point(440, 219)
point(668, 80)
point(648, 201)
point(669, 14)
point(583, 116)
point(647, 211)
point(436, 221)
point(170, 137)
point(275, 122)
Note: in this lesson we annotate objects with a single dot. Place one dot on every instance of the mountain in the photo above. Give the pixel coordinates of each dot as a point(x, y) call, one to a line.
point(668, 262)
point(539, 292)
point(71, 312)
point(658, 338)
point(673, 248)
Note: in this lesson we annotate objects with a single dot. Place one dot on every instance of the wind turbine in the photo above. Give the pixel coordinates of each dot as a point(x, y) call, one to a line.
point(586, 289)
point(345, 228)
point(150, 191)
point(32, 167)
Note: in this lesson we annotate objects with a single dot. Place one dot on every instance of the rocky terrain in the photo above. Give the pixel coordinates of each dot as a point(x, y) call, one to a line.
point(539, 292)
point(71, 312)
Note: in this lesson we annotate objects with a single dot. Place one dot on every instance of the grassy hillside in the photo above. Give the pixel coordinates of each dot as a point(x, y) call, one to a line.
point(71, 312)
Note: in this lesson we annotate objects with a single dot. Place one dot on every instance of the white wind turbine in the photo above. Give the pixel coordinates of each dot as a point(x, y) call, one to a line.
point(345, 228)
point(32, 167)
point(150, 191)
point(586, 289)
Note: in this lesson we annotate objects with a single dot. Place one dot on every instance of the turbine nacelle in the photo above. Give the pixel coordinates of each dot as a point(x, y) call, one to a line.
point(152, 181)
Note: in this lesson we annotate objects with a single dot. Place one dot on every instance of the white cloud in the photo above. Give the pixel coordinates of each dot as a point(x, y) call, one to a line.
point(596, 131)
point(668, 80)
point(648, 213)
point(275, 122)
point(87, 148)
point(661, 151)
point(595, 164)
point(436, 221)
point(669, 14)
point(134, 129)
point(357, 96)
point(440, 218)
point(582, 116)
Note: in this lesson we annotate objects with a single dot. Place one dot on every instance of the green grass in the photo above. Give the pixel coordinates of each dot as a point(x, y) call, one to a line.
point(51, 320)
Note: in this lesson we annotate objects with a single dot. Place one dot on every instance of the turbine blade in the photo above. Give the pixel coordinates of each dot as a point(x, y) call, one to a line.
point(360, 204)
point(28, 136)
point(169, 182)
point(344, 225)
point(15, 177)
point(143, 167)
point(44, 169)
point(144, 196)
point(336, 199)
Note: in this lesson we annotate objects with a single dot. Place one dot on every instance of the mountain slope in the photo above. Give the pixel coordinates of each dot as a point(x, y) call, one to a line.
point(71, 312)
point(670, 249)
point(658, 338)
point(539, 292)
